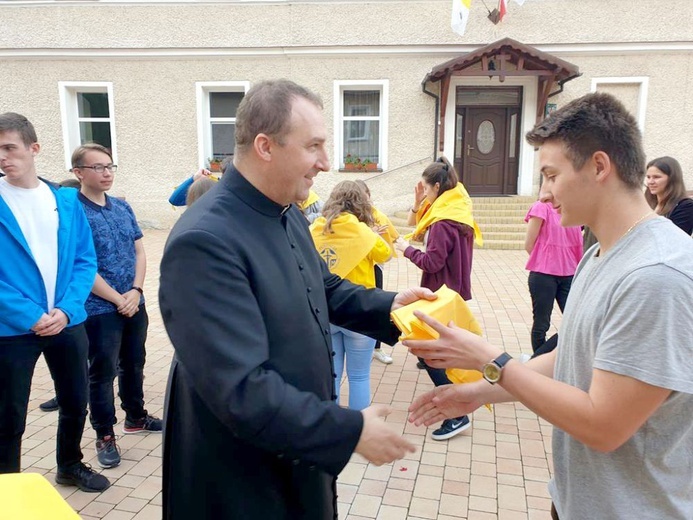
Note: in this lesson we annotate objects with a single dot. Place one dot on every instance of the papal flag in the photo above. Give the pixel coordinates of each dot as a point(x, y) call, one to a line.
point(460, 15)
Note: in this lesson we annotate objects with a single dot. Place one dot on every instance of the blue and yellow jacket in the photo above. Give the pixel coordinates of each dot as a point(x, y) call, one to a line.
point(22, 292)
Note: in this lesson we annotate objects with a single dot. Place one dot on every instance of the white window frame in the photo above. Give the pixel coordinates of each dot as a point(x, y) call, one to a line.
point(643, 83)
point(69, 114)
point(383, 85)
point(204, 121)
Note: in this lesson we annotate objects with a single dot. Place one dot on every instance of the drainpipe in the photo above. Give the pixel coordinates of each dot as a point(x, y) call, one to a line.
point(435, 133)
point(561, 83)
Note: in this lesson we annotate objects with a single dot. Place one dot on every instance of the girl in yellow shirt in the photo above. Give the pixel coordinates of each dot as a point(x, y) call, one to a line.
point(345, 240)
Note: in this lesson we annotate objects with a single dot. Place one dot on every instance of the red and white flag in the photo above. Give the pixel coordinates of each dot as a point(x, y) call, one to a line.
point(502, 9)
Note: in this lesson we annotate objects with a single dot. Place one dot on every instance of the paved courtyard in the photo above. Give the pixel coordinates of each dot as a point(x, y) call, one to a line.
point(497, 469)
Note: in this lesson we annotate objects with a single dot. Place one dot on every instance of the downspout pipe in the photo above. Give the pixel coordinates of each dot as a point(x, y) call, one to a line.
point(437, 120)
point(561, 83)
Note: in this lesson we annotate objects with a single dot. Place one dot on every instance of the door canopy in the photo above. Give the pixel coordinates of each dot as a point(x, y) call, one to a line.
point(504, 58)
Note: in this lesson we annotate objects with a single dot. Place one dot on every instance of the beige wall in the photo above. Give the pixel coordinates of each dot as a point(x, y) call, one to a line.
point(313, 44)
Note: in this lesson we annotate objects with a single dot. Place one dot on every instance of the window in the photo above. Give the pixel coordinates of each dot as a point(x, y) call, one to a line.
point(361, 121)
point(87, 116)
point(217, 104)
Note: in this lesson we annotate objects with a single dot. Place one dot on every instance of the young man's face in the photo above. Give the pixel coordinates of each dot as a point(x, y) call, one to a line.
point(89, 177)
point(303, 154)
point(17, 159)
point(567, 189)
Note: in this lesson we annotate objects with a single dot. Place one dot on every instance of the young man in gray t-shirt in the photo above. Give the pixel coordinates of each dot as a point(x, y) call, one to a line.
point(619, 387)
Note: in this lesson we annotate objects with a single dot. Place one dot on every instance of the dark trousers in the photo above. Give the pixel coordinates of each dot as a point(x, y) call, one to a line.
point(544, 289)
point(66, 357)
point(379, 284)
point(116, 346)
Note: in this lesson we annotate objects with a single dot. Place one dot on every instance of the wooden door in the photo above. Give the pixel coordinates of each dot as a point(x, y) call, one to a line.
point(483, 153)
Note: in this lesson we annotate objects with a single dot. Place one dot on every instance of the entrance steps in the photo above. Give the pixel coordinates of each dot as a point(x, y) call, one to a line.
point(501, 220)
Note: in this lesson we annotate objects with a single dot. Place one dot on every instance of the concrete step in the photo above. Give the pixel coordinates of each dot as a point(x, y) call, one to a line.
point(491, 220)
point(502, 244)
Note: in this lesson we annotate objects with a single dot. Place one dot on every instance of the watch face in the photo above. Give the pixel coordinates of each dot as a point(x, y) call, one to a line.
point(491, 373)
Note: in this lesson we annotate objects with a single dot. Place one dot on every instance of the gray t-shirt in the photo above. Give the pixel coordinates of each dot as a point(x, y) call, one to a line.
point(630, 312)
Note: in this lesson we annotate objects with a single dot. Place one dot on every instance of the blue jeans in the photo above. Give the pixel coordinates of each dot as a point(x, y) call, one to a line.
point(66, 357)
point(116, 346)
point(358, 351)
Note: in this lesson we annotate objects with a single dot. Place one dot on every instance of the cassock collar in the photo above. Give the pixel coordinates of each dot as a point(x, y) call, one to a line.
point(233, 180)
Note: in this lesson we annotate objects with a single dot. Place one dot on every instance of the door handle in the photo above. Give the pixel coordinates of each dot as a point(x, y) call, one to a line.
point(468, 149)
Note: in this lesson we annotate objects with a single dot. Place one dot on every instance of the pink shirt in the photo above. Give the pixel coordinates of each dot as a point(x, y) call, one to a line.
point(558, 249)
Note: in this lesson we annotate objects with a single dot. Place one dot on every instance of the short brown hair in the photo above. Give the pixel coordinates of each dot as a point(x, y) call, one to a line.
point(13, 122)
point(266, 109)
point(348, 197)
point(198, 188)
point(81, 151)
point(596, 122)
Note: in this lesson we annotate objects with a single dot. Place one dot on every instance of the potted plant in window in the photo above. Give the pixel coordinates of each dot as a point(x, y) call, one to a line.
point(368, 166)
point(215, 164)
point(351, 163)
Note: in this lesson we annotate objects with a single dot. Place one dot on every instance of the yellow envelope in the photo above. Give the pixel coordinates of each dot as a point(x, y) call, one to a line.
point(449, 306)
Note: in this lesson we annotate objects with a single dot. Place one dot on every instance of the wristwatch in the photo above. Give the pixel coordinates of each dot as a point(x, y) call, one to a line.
point(492, 370)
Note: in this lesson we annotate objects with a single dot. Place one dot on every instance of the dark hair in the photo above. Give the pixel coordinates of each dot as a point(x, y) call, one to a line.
point(675, 190)
point(81, 151)
point(13, 122)
point(70, 183)
point(596, 122)
point(349, 197)
point(198, 188)
point(442, 173)
point(266, 109)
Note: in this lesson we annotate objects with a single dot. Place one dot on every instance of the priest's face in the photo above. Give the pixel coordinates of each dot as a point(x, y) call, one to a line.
point(301, 154)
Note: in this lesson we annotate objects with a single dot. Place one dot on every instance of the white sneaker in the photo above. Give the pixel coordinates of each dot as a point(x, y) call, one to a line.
point(382, 357)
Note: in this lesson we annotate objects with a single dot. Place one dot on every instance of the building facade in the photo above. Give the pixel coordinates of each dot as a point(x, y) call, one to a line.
point(159, 83)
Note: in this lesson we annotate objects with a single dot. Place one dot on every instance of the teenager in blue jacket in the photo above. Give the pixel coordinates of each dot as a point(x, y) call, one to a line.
point(47, 272)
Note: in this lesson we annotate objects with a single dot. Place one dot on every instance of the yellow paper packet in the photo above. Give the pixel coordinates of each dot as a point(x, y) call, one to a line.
point(449, 306)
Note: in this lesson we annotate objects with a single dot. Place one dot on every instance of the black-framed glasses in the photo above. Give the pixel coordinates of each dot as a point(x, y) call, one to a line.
point(100, 168)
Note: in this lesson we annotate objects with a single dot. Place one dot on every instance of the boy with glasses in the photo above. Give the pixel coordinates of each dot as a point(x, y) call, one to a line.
point(117, 322)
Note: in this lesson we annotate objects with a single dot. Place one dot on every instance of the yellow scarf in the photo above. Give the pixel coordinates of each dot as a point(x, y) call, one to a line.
point(312, 199)
point(391, 235)
point(348, 244)
point(455, 205)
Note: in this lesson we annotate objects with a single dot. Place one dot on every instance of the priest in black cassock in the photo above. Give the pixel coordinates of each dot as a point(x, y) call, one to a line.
point(252, 429)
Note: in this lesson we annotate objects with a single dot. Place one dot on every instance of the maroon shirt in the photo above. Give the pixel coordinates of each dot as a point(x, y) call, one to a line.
point(448, 257)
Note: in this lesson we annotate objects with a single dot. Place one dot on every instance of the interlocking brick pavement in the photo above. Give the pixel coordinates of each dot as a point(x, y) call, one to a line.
point(497, 469)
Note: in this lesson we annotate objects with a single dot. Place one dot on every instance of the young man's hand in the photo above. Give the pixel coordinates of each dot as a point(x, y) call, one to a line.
point(445, 402)
point(51, 324)
point(131, 304)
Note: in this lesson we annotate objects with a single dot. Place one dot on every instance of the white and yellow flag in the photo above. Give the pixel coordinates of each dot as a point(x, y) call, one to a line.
point(460, 15)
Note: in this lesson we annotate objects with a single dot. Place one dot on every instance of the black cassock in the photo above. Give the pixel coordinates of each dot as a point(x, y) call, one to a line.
point(251, 428)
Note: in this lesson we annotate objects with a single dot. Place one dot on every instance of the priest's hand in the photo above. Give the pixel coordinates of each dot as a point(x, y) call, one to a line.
point(454, 348)
point(378, 443)
point(446, 402)
point(411, 295)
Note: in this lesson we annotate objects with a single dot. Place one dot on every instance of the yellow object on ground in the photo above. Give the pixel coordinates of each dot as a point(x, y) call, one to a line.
point(29, 496)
